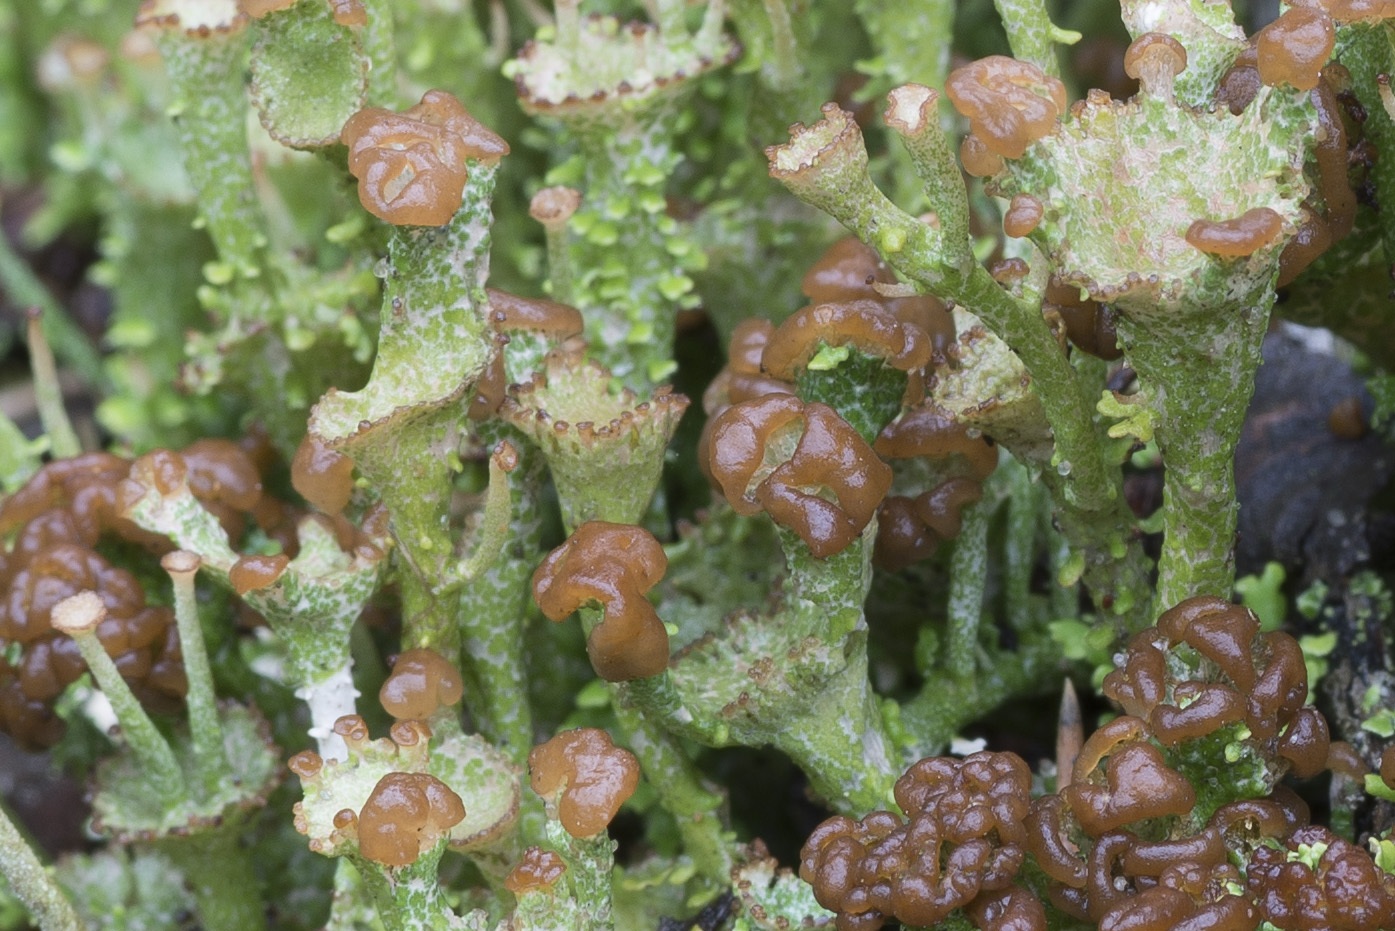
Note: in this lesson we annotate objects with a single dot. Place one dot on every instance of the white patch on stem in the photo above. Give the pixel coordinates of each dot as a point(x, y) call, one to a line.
point(330, 699)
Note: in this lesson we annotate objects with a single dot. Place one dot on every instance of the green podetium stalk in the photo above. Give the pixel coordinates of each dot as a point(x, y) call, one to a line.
point(283, 328)
point(402, 429)
point(32, 883)
point(582, 779)
point(1186, 248)
point(778, 677)
point(619, 90)
point(603, 571)
point(191, 794)
point(204, 44)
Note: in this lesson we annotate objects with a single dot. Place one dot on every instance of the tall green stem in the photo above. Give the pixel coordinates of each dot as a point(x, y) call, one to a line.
point(49, 394)
point(1198, 367)
point(204, 727)
point(968, 569)
point(31, 882)
point(79, 617)
point(493, 610)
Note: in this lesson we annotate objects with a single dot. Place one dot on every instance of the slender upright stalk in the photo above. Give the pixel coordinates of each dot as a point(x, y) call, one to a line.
point(968, 569)
point(205, 729)
point(78, 616)
point(48, 393)
point(32, 883)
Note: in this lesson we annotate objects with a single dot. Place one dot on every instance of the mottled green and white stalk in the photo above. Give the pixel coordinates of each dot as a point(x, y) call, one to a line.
point(1116, 220)
point(968, 570)
point(78, 617)
point(204, 44)
point(403, 428)
point(31, 882)
point(494, 606)
point(1031, 34)
point(795, 679)
point(182, 566)
point(618, 92)
point(410, 898)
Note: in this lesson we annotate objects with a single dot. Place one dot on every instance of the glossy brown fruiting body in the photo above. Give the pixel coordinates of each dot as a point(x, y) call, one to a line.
point(1138, 785)
point(509, 313)
point(411, 166)
point(252, 573)
point(1239, 237)
point(1342, 891)
point(964, 840)
point(1022, 216)
point(828, 458)
point(1009, 104)
point(405, 816)
point(538, 870)
point(1089, 325)
point(323, 476)
point(866, 325)
point(1154, 59)
point(585, 776)
point(1294, 48)
point(851, 270)
point(611, 565)
point(421, 682)
point(1264, 672)
point(911, 527)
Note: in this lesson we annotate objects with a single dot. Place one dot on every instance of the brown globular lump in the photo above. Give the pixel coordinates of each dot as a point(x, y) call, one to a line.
point(828, 456)
point(866, 325)
point(1294, 48)
point(965, 839)
point(1360, 11)
point(554, 206)
point(1239, 237)
point(422, 681)
point(411, 166)
point(979, 160)
point(585, 776)
point(405, 816)
point(538, 870)
point(1138, 785)
point(851, 270)
point(349, 12)
point(323, 476)
point(1319, 880)
point(253, 573)
point(1023, 215)
point(1009, 103)
point(1387, 767)
point(612, 565)
point(1089, 324)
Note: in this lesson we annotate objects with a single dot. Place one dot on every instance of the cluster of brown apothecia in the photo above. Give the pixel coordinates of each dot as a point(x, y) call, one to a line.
point(387, 803)
point(70, 536)
point(1133, 838)
point(58, 518)
point(753, 410)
